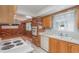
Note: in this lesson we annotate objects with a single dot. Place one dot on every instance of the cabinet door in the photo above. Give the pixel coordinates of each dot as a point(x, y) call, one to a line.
point(54, 45)
point(7, 13)
point(11, 13)
point(75, 48)
point(36, 41)
point(3, 14)
point(65, 47)
point(34, 22)
point(47, 22)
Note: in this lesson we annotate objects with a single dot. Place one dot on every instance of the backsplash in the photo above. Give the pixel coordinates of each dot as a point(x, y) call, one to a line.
point(12, 32)
point(73, 35)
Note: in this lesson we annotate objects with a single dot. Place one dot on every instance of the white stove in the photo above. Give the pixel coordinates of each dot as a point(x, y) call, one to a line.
point(15, 45)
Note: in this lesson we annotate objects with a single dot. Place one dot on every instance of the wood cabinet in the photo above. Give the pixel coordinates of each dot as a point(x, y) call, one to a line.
point(54, 45)
point(59, 46)
point(36, 40)
point(37, 21)
point(7, 13)
point(34, 22)
point(47, 21)
point(65, 47)
point(74, 48)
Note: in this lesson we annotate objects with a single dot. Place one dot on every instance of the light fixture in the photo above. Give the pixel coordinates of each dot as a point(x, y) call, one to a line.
point(28, 17)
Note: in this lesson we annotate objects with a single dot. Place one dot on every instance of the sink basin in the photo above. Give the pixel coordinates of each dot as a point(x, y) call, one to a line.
point(59, 37)
point(69, 38)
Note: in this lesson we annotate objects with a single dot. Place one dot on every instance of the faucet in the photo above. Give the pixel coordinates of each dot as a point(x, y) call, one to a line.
point(61, 34)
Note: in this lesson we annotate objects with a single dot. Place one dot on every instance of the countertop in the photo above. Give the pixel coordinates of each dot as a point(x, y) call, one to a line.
point(68, 39)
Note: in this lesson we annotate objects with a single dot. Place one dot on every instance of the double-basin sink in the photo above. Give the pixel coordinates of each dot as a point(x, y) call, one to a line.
point(61, 37)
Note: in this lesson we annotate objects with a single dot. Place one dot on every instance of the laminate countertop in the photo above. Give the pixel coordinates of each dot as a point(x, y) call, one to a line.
point(68, 39)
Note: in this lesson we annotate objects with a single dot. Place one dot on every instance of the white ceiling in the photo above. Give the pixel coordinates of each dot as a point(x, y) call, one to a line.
point(30, 9)
point(40, 10)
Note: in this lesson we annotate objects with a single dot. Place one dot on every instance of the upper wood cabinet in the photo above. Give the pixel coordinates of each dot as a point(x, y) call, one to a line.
point(47, 21)
point(34, 22)
point(7, 13)
point(37, 21)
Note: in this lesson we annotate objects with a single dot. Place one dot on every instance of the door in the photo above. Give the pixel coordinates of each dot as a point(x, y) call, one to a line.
point(75, 48)
point(65, 47)
point(7, 13)
point(54, 45)
point(45, 42)
point(47, 22)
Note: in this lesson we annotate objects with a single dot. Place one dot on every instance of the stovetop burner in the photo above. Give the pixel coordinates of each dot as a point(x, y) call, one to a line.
point(17, 41)
point(7, 43)
point(7, 47)
point(19, 44)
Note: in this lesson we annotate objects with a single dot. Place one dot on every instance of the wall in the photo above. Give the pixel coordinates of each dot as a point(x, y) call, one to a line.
point(9, 33)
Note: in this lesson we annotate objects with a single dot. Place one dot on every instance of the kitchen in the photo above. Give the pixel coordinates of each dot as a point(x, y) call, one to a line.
point(51, 28)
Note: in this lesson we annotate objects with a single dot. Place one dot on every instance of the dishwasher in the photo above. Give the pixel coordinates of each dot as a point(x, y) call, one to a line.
point(44, 42)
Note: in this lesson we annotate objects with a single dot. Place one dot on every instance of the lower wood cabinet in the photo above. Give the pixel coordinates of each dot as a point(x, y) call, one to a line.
point(65, 47)
point(53, 45)
point(59, 46)
point(36, 40)
point(75, 48)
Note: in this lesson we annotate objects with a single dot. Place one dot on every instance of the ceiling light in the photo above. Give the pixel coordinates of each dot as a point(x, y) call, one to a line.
point(28, 17)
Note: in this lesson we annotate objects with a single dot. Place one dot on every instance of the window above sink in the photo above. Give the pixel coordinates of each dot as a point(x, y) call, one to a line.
point(64, 21)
